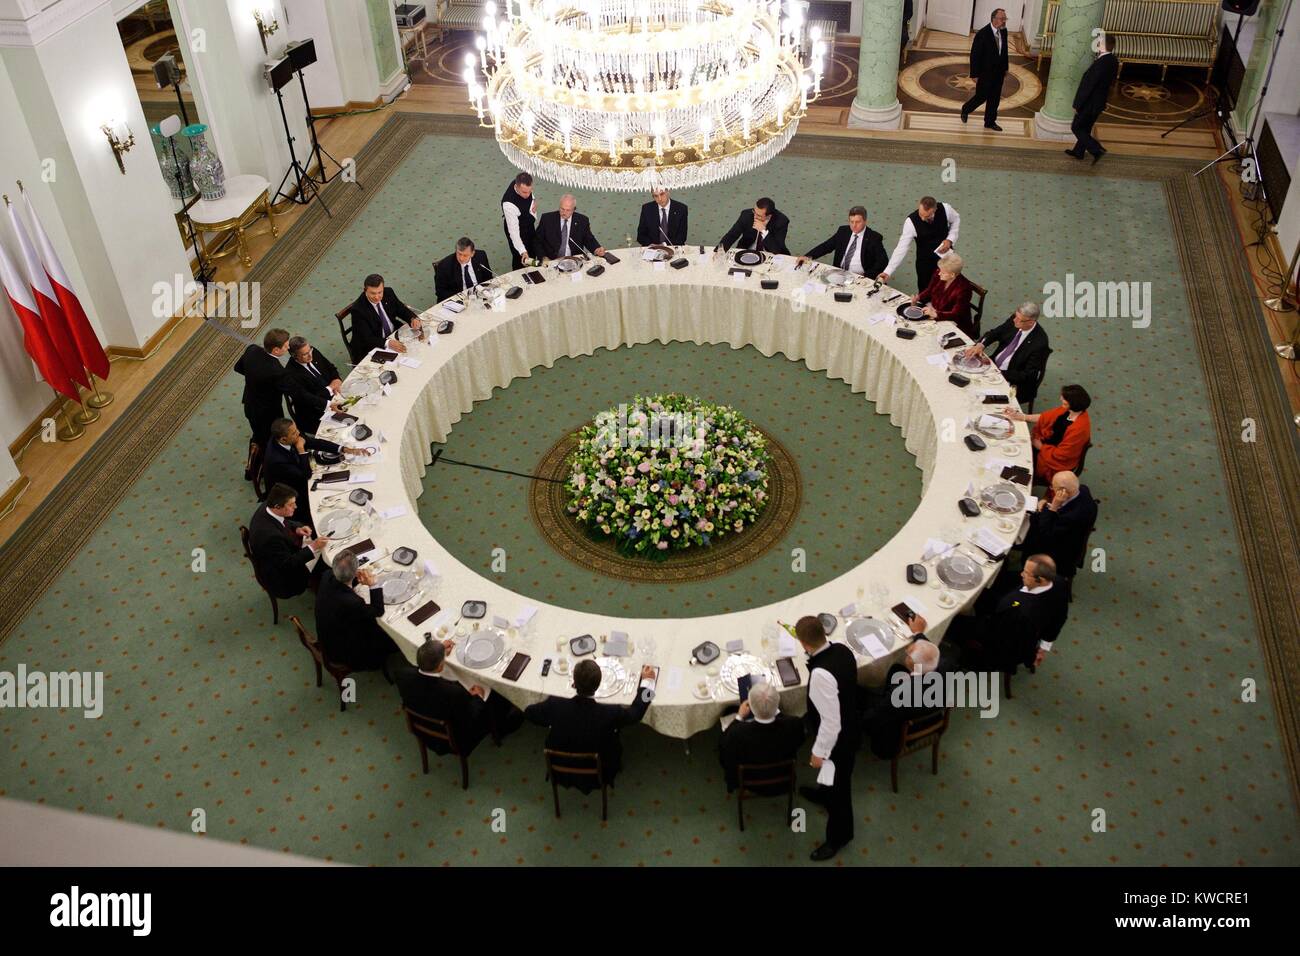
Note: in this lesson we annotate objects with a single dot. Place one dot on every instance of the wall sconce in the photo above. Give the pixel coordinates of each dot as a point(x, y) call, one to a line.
point(266, 25)
point(120, 140)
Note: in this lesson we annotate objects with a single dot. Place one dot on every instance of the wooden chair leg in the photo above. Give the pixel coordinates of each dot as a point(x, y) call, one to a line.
point(275, 609)
point(424, 756)
point(604, 803)
point(555, 791)
point(464, 772)
point(319, 676)
point(740, 807)
point(893, 774)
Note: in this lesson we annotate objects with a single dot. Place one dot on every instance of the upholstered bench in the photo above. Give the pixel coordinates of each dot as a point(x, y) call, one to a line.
point(1167, 32)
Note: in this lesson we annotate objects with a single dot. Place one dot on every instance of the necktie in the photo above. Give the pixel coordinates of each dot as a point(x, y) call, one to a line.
point(663, 222)
point(383, 318)
point(466, 281)
point(564, 237)
point(848, 253)
point(311, 367)
point(997, 37)
point(758, 241)
point(1004, 358)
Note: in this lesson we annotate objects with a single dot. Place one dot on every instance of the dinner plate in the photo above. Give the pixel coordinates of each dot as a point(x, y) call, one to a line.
point(864, 627)
point(971, 365)
point(568, 264)
point(339, 525)
point(398, 586)
point(748, 257)
point(959, 571)
point(482, 649)
point(738, 664)
point(993, 426)
point(1004, 497)
point(836, 277)
point(360, 387)
point(612, 677)
point(407, 334)
point(362, 459)
point(912, 312)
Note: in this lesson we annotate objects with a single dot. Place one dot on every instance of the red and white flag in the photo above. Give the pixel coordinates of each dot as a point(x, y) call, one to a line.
point(89, 348)
point(35, 339)
point(47, 305)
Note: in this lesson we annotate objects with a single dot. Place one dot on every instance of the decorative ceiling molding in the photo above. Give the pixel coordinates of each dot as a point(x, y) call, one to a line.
point(44, 24)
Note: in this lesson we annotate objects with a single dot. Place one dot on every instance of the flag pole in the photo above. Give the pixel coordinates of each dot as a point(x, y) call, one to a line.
point(87, 416)
point(98, 399)
point(71, 430)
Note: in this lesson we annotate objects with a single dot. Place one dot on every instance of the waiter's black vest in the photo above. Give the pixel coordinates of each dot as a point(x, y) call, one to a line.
point(839, 662)
point(930, 234)
point(527, 225)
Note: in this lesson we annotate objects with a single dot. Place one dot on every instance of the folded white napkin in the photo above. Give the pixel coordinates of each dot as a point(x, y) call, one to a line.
point(361, 477)
point(525, 615)
point(935, 547)
point(826, 775)
point(938, 359)
point(409, 362)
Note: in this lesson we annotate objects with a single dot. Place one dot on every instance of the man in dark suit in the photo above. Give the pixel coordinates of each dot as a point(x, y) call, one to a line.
point(376, 316)
point(835, 725)
point(566, 232)
point(855, 248)
point(1021, 351)
point(473, 713)
point(1062, 523)
point(460, 271)
point(347, 626)
point(1090, 100)
point(312, 383)
point(884, 721)
point(1009, 630)
point(287, 462)
point(663, 221)
point(760, 734)
point(988, 67)
point(282, 548)
point(580, 725)
point(264, 383)
point(762, 228)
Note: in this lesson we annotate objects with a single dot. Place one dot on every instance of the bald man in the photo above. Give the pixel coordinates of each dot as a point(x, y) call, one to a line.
point(566, 232)
point(1062, 522)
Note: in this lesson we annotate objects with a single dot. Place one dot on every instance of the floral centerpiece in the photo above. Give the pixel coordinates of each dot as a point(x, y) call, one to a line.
point(667, 473)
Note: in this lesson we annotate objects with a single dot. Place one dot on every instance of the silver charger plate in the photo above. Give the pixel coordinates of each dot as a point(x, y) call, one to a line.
point(360, 387)
point(407, 334)
point(863, 627)
point(613, 675)
point(913, 312)
point(836, 277)
point(362, 459)
point(398, 586)
point(737, 664)
point(970, 365)
point(568, 264)
point(1003, 497)
point(959, 571)
point(338, 525)
point(482, 649)
point(1006, 429)
point(748, 257)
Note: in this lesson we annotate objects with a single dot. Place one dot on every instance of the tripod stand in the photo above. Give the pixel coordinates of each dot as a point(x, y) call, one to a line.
point(1219, 86)
point(317, 150)
point(206, 272)
point(307, 187)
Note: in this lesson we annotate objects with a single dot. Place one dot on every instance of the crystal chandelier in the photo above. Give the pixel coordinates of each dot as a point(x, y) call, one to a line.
point(627, 94)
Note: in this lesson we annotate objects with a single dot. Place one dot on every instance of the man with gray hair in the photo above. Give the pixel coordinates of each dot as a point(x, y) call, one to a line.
point(346, 624)
point(566, 232)
point(1019, 351)
point(760, 734)
point(884, 723)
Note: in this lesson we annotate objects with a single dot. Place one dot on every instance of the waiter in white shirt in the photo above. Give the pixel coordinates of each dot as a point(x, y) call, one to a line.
point(933, 227)
point(519, 219)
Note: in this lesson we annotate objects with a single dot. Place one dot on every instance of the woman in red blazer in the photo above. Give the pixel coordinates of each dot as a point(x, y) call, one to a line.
point(947, 297)
point(1060, 434)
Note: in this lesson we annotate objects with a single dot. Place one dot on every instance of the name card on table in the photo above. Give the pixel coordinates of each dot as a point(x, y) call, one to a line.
point(660, 266)
point(525, 615)
point(361, 478)
point(939, 359)
point(409, 362)
point(499, 622)
point(396, 511)
point(881, 317)
point(575, 276)
point(875, 650)
point(738, 277)
point(848, 610)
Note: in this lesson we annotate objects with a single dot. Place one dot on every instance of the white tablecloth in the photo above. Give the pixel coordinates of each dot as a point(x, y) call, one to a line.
point(632, 303)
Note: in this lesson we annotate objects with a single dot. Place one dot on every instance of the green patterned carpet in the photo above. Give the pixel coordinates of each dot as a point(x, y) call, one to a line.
point(1138, 712)
point(859, 483)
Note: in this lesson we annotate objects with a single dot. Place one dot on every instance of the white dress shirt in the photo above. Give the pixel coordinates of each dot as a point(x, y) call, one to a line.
point(909, 234)
point(1042, 645)
point(663, 212)
point(825, 695)
point(311, 367)
point(306, 542)
point(511, 212)
point(854, 264)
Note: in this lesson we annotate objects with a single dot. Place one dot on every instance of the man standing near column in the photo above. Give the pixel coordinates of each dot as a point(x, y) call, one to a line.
point(934, 226)
point(1090, 100)
point(833, 721)
point(988, 67)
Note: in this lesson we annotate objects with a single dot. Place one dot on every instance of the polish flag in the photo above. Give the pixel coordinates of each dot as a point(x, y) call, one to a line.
point(35, 339)
point(47, 305)
point(89, 348)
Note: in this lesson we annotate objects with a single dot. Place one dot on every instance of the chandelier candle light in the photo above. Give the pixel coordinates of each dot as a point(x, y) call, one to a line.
point(623, 95)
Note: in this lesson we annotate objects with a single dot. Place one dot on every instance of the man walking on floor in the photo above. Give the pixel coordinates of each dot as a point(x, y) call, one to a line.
point(1090, 100)
point(988, 67)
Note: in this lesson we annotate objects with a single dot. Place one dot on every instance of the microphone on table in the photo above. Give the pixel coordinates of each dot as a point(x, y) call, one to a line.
point(581, 251)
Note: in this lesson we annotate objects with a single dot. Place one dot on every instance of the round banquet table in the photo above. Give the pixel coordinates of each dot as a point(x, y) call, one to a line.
point(636, 302)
